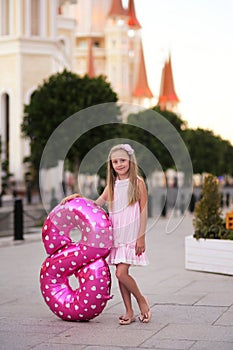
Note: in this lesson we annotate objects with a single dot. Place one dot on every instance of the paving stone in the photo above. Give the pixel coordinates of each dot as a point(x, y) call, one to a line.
point(187, 314)
point(46, 346)
point(226, 319)
point(121, 336)
point(176, 299)
point(168, 344)
point(18, 341)
point(210, 345)
point(191, 310)
point(195, 332)
point(212, 299)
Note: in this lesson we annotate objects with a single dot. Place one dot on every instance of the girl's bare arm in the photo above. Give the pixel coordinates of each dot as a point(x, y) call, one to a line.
point(140, 244)
point(99, 201)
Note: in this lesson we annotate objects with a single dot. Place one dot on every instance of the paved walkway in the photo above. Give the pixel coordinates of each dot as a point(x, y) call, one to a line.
point(191, 310)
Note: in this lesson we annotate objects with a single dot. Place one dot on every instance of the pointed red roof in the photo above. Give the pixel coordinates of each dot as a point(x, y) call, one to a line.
point(90, 63)
point(133, 21)
point(167, 90)
point(142, 88)
point(116, 9)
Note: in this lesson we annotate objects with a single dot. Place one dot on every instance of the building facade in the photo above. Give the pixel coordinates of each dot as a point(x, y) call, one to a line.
point(41, 37)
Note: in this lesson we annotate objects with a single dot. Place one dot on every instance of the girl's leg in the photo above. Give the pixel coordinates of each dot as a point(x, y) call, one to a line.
point(126, 296)
point(122, 274)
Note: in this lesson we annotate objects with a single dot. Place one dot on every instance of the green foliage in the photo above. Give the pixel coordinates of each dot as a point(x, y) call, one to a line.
point(209, 153)
point(173, 118)
point(147, 120)
point(208, 221)
point(59, 97)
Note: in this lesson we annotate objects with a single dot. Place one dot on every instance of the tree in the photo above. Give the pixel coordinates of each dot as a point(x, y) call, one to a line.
point(209, 153)
point(173, 118)
point(163, 122)
point(59, 97)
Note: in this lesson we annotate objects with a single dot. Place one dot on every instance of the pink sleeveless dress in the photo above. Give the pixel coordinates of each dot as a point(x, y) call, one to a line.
point(126, 223)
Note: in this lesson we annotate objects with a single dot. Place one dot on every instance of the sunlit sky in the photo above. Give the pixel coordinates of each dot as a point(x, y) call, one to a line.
point(199, 35)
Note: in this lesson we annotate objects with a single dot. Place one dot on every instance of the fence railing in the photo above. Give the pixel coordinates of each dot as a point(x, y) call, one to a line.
point(18, 219)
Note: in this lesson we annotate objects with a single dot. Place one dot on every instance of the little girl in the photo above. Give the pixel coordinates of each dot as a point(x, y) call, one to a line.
point(126, 197)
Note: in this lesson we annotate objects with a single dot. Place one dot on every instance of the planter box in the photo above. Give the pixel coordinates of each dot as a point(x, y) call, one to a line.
point(209, 255)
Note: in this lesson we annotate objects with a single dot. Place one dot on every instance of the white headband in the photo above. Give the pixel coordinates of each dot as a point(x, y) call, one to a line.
point(126, 147)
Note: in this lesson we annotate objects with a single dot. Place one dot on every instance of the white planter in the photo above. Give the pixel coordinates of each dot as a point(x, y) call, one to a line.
point(209, 255)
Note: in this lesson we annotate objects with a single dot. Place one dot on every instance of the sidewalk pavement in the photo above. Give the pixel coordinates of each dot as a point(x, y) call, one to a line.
point(191, 310)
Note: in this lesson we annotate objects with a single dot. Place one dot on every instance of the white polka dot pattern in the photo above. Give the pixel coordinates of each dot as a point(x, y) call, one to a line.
point(84, 259)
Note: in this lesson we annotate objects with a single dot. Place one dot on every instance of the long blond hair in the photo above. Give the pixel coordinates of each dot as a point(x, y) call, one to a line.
point(133, 190)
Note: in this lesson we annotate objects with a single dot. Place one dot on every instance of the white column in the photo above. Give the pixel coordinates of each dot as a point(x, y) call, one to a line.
point(53, 18)
point(43, 18)
point(11, 17)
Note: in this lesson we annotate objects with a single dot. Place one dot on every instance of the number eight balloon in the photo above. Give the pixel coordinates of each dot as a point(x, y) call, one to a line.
point(84, 259)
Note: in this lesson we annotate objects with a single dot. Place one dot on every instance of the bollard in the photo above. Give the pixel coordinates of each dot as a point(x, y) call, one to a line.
point(29, 193)
point(164, 205)
point(18, 219)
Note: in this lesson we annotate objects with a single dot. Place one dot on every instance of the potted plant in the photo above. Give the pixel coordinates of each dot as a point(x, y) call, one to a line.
point(210, 248)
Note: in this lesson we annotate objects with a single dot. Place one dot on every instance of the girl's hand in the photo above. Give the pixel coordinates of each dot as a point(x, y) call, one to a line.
point(68, 198)
point(140, 246)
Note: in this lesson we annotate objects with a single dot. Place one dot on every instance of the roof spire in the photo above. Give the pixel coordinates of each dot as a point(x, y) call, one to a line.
point(90, 63)
point(133, 21)
point(116, 9)
point(167, 97)
point(142, 88)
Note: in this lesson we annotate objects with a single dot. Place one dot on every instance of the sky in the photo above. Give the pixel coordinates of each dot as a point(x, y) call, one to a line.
point(199, 36)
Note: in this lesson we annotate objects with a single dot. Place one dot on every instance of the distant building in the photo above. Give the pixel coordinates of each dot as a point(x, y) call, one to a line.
point(168, 99)
point(108, 42)
point(41, 37)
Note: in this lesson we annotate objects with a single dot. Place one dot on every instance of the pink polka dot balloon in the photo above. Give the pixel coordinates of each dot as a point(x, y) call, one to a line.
point(84, 259)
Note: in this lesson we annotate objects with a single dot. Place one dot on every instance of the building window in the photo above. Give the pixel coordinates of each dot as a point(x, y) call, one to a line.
point(35, 17)
point(5, 17)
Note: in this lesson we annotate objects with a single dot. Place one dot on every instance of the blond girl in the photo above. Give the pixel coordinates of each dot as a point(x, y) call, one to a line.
point(126, 197)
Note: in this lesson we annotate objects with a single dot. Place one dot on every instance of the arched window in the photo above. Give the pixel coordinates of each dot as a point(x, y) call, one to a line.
point(5, 17)
point(5, 126)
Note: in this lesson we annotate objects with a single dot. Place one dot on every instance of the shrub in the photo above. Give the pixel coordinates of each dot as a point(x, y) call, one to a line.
point(208, 219)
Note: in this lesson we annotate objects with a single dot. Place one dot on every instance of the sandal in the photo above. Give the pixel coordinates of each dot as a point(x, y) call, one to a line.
point(121, 317)
point(146, 317)
point(125, 321)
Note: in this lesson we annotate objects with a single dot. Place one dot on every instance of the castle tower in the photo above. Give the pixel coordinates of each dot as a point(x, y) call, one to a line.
point(29, 52)
point(116, 9)
point(108, 40)
point(142, 90)
point(167, 98)
point(116, 48)
point(132, 20)
point(125, 60)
